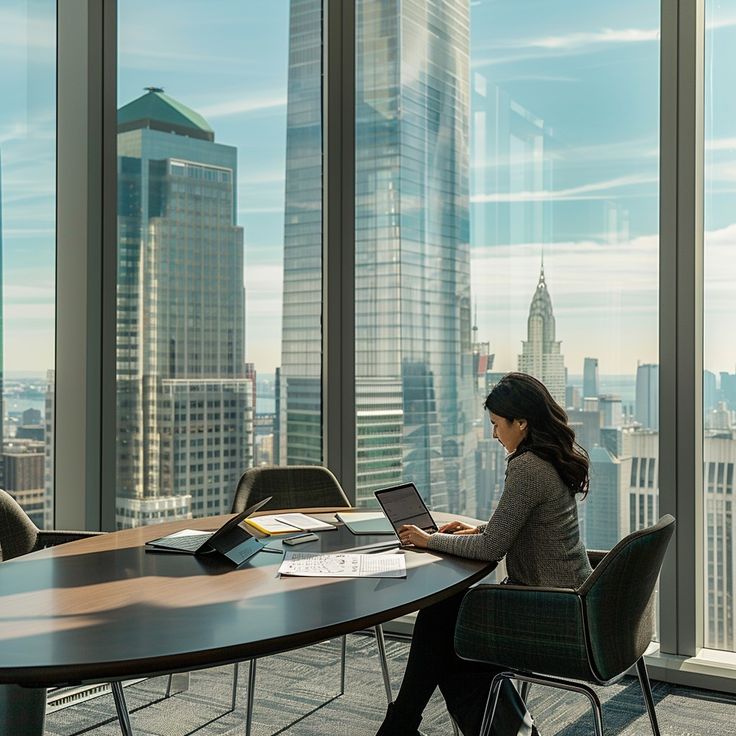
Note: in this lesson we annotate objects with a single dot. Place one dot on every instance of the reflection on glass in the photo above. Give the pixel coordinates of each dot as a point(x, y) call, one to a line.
point(202, 123)
point(414, 365)
point(507, 219)
point(27, 252)
point(719, 358)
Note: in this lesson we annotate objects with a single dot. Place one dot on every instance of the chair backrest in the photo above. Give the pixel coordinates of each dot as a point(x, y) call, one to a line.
point(291, 486)
point(18, 534)
point(618, 599)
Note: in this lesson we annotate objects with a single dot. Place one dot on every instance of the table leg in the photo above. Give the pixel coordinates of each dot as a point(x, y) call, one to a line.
point(251, 696)
point(121, 708)
point(22, 710)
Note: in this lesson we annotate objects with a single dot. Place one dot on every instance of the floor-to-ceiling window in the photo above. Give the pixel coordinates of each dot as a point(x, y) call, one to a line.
point(564, 236)
point(719, 349)
point(219, 269)
point(27, 252)
point(506, 218)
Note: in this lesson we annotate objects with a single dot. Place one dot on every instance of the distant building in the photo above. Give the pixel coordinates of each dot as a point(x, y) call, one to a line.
point(728, 389)
point(586, 425)
point(573, 397)
point(611, 410)
point(24, 477)
point(49, 448)
point(709, 391)
point(590, 377)
point(720, 417)
point(647, 396)
point(604, 511)
point(540, 353)
point(184, 400)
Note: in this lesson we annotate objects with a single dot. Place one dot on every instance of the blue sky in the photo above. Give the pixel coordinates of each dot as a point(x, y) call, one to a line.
point(586, 72)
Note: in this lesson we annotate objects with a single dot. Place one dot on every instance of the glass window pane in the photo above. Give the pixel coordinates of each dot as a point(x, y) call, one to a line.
point(28, 252)
point(507, 160)
point(219, 216)
point(719, 356)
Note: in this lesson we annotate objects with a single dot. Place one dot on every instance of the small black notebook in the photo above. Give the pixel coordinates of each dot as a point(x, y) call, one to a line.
point(231, 540)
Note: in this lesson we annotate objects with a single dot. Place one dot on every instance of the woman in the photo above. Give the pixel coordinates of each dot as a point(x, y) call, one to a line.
point(535, 527)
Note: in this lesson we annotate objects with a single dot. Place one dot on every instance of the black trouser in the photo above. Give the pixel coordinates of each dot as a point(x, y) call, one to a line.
point(464, 685)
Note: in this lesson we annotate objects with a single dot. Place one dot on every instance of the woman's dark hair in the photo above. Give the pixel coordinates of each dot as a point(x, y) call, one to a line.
point(520, 396)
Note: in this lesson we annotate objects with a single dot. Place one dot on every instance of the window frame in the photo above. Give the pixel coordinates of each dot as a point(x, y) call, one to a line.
point(86, 278)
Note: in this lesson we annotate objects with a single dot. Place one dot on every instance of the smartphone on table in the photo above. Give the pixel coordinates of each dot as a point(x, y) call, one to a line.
point(300, 539)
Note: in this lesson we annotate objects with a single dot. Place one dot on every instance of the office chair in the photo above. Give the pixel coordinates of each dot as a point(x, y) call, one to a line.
point(19, 536)
point(298, 486)
point(549, 636)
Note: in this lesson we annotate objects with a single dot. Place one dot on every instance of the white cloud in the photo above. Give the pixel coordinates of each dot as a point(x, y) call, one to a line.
point(242, 106)
point(585, 191)
point(720, 144)
point(27, 30)
point(561, 45)
point(593, 38)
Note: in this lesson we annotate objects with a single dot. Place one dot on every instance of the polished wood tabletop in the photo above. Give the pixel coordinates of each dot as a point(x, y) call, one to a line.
point(104, 609)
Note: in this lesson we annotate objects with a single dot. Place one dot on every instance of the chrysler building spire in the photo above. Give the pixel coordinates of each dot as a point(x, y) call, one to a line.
point(540, 352)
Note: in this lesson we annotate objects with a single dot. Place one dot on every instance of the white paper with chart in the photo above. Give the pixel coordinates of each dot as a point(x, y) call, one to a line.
point(314, 564)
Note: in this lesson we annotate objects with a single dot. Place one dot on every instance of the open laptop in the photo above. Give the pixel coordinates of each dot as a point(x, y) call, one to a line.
point(402, 504)
point(231, 540)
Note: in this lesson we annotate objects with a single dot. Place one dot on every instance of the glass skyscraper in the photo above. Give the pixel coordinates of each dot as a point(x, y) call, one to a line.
point(184, 404)
point(414, 369)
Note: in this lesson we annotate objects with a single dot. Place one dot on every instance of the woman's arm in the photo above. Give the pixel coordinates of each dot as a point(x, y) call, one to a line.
point(516, 503)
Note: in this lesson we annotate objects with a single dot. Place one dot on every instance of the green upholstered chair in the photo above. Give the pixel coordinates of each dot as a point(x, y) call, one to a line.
point(298, 486)
point(551, 636)
point(18, 536)
point(290, 487)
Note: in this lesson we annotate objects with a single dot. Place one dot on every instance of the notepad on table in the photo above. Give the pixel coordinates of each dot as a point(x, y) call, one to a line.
point(317, 565)
point(284, 523)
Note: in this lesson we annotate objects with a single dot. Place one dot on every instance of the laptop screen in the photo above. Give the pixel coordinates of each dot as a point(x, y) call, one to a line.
point(403, 505)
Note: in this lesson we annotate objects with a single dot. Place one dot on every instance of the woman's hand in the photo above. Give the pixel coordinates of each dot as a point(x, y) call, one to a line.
point(458, 527)
point(410, 534)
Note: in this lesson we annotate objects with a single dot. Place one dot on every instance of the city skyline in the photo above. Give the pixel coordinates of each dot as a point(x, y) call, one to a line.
point(249, 106)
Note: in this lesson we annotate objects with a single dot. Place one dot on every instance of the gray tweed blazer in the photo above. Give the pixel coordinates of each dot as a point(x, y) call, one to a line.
point(535, 526)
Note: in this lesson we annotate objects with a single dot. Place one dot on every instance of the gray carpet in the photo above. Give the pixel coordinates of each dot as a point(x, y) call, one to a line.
point(290, 685)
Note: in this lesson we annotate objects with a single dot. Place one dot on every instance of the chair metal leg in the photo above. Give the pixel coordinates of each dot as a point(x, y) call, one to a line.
point(236, 669)
point(490, 710)
point(121, 708)
point(168, 686)
point(343, 659)
point(577, 687)
point(524, 690)
point(251, 696)
point(646, 689)
point(381, 643)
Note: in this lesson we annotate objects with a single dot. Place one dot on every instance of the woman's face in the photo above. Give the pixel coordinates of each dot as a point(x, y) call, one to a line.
point(509, 432)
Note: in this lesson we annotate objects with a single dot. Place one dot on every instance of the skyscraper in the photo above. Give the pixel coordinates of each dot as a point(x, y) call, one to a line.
point(414, 367)
point(604, 511)
point(647, 396)
point(540, 352)
point(183, 400)
point(590, 378)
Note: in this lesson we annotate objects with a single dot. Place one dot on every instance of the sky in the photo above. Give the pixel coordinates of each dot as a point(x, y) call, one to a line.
point(564, 164)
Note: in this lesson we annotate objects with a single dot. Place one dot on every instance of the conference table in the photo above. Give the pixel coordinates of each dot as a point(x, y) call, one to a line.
point(103, 609)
